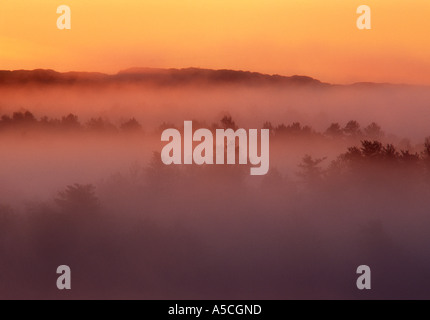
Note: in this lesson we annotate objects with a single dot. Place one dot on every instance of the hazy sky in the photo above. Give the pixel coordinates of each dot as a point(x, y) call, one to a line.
point(313, 37)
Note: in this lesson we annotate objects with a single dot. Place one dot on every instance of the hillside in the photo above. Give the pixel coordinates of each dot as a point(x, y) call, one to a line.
point(164, 77)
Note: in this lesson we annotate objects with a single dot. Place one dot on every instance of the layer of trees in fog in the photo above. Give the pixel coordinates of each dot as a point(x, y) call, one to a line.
point(25, 120)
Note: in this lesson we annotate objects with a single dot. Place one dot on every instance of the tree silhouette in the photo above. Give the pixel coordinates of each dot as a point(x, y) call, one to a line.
point(131, 125)
point(100, 125)
point(311, 171)
point(409, 158)
point(20, 118)
point(70, 122)
point(6, 119)
point(390, 153)
point(294, 128)
point(371, 149)
point(426, 155)
point(352, 129)
point(228, 123)
point(268, 125)
point(78, 199)
point(374, 131)
point(426, 152)
point(166, 125)
point(334, 130)
point(353, 154)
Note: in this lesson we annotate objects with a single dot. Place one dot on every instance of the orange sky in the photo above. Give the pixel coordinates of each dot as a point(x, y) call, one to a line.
point(312, 37)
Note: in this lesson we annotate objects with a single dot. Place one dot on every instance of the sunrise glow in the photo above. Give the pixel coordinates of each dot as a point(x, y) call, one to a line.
point(312, 37)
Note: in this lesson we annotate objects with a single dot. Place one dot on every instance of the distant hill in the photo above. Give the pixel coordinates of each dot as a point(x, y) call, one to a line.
point(44, 76)
point(160, 77)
